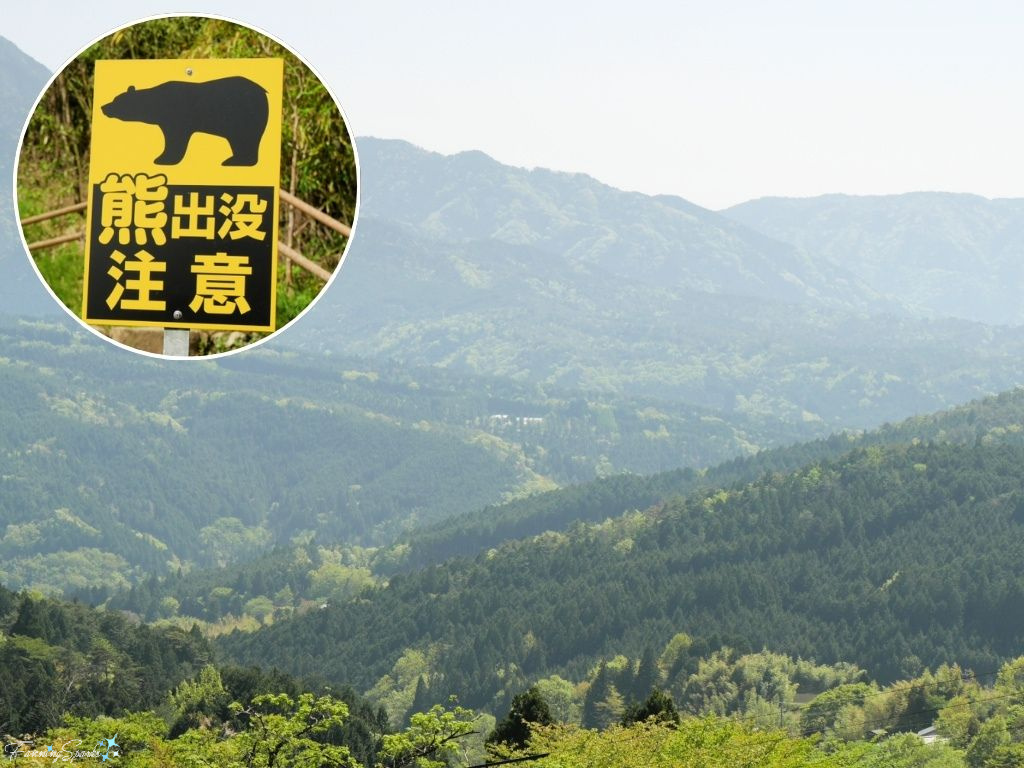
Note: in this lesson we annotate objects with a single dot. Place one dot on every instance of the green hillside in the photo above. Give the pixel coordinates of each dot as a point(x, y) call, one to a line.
point(888, 557)
point(63, 665)
point(75, 677)
point(117, 466)
point(293, 579)
point(999, 418)
point(57, 658)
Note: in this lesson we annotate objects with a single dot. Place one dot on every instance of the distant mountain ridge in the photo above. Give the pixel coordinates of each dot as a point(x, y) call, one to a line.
point(659, 241)
point(940, 254)
point(560, 281)
point(23, 77)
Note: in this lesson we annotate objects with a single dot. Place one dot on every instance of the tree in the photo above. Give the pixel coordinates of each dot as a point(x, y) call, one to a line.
point(658, 705)
point(712, 688)
point(1011, 676)
point(205, 697)
point(528, 708)
point(647, 675)
point(697, 743)
point(420, 699)
point(429, 740)
point(824, 709)
point(610, 709)
point(993, 735)
point(281, 732)
point(562, 698)
point(261, 607)
point(905, 750)
point(958, 722)
point(597, 693)
point(169, 607)
point(31, 620)
point(1006, 756)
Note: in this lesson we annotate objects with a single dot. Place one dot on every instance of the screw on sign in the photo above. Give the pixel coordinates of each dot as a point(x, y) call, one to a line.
point(183, 183)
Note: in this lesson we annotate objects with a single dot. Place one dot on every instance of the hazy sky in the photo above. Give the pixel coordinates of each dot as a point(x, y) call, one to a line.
point(718, 102)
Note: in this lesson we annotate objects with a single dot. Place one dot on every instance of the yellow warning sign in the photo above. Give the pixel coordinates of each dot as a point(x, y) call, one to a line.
point(183, 176)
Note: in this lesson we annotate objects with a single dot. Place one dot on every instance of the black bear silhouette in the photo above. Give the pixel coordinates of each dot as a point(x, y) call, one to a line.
point(232, 107)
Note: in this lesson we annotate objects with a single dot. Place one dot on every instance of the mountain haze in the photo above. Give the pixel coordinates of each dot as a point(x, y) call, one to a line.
point(22, 80)
point(939, 254)
point(594, 230)
point(559, 281)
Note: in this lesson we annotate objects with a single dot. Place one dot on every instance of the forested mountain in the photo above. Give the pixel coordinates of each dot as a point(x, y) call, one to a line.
point(293, 579)
point(60, 657)
point(584, 227)
point(20, 83)
point(117, 466)
point(534, 275)
point(887, 557)
point(63, 661)
point(431, 486)
point(74, 677)
point(939, 254)
point(996, 418)
point(111, 686)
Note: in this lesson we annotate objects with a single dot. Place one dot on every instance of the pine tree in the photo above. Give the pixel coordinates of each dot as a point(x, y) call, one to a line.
point(597, 693)
point(611, 709)
point(647, 675)
point(420, 699)
point(658, 705)
point(32, 620)
point(528, 708)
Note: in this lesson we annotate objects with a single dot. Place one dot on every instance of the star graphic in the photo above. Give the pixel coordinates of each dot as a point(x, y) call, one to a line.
point(49, 748)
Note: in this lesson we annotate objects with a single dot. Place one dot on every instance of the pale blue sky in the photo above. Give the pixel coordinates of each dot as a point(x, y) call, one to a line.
point(718, 102)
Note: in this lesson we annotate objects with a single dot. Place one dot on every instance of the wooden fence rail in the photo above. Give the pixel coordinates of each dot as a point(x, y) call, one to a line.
point(294, 256)
point(53, 214)
point(315, 213)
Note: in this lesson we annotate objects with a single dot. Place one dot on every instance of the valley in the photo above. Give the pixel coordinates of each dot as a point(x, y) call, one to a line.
point(639, 481)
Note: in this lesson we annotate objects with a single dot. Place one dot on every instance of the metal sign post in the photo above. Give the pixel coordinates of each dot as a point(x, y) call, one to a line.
point(176, 342)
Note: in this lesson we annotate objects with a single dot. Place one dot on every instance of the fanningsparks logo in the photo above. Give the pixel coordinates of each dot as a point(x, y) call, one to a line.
point(106, 750)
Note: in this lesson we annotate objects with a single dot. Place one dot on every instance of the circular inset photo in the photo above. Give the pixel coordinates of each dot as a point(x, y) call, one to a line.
point(186, 186)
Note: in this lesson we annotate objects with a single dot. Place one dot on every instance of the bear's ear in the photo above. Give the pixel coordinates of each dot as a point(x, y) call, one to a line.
point(131, 89)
